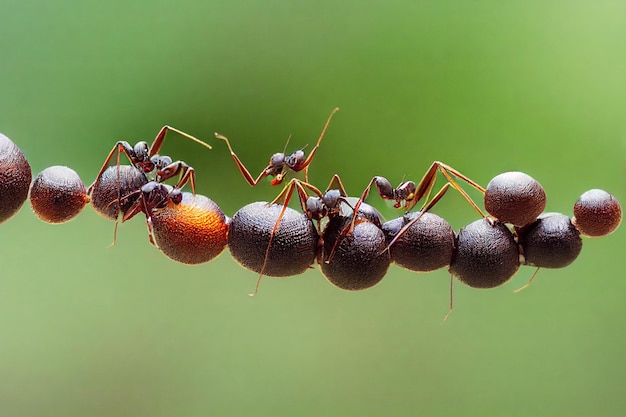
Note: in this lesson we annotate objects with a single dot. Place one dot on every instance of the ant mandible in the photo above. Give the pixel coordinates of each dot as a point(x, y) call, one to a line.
point(280, 163)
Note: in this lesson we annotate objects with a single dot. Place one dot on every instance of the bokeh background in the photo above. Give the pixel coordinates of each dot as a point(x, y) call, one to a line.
point(487, 87)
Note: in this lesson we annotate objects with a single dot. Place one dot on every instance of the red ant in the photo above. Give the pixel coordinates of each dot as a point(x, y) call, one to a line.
point(280, 163)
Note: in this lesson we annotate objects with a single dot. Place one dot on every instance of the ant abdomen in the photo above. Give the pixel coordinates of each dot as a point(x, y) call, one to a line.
point(192, 231)
point(551, 241)
point(486, 254)
point(108, 193)
point(57, 194)
point(290, 251)
point(358, 261)
point(425, 246)
point(15, 178)
point(514, 197)
point(597, 213)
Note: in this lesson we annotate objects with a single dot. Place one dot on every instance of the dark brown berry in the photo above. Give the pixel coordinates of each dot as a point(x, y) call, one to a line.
point(426, 245)
point(551, 241)
point(293, 247)
point(515, 197)
point(597, 213)
point(359, 260)
point(57, 194)
point(486, 256)
point(15, 178)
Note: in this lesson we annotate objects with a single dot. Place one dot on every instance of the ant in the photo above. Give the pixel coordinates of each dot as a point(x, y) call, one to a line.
point(186, 227)
point(276, 240)
point(407, 194)
point(280, 163)
point(114, 185)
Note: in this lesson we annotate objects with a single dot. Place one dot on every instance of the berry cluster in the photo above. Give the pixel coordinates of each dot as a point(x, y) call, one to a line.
point(347, 237)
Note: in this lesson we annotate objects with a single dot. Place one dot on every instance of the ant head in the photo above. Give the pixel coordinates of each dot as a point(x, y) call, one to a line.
point(294, 160)
point(276, 168)
point(159, 162)
point(142, 153)
point(332, 198)
point(405, 193)
point(157, 195)
point(315, 208)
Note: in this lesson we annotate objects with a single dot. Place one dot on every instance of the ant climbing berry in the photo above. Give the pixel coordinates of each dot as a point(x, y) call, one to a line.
point(406, 196)
point(57, 194)
point(425, 246)
point(117, 187)
point(111, 190)
point(15, 178)
point(272, 239)
point(356, 261)
point(275, 240)
point(280, 163)
point(188, 228)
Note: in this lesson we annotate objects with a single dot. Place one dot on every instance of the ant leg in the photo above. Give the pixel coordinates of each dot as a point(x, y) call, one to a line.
point(424, 209)
point(186, 172)
point(425, 186)
point(530, 281)
point(286, 196)
point(336, 184)
point(385, 190)
point(120, 147)
point(242, 168)
point(151, 232)
point(445, 318)
point(160, 138)
point(307, 161)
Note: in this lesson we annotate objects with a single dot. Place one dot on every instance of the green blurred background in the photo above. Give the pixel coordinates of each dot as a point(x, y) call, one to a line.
point(487, 87)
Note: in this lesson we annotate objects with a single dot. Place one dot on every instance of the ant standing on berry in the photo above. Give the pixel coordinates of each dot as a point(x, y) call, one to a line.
point(117, 187)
